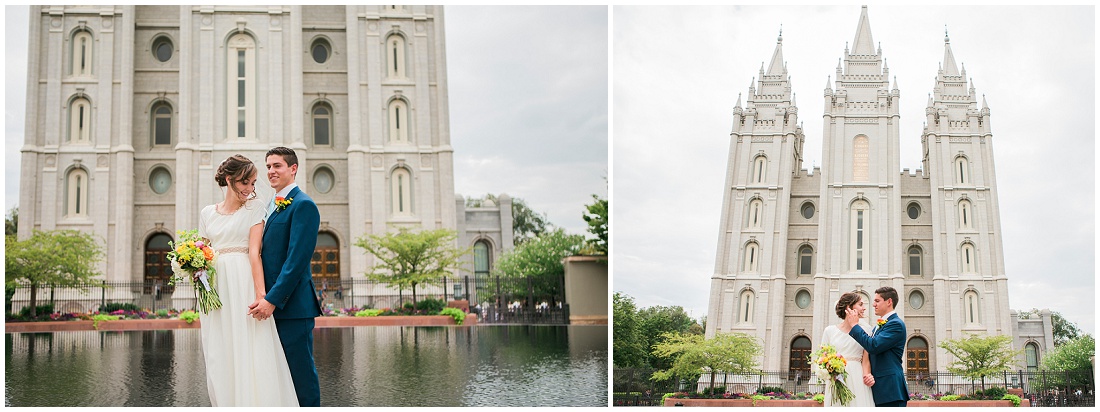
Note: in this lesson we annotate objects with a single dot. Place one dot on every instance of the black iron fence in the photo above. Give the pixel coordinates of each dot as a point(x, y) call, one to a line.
point(535, 299)
point(633, 387)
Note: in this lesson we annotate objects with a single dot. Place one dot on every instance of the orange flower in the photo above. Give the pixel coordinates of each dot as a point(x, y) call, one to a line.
point(207, 253)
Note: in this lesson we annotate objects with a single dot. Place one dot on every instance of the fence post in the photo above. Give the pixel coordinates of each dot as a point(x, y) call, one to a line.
point(466, 288)
point(103, 294)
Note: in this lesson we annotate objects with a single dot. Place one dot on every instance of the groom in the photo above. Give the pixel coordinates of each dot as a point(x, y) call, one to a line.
point(885, 347)
point(290, 235)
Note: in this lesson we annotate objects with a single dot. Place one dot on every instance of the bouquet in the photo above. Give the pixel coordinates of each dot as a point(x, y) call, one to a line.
point(831, 368)
point(194, 259)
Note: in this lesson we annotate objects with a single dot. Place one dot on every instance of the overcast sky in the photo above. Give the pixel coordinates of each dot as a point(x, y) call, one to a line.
point(678, 72)
point(528, 104)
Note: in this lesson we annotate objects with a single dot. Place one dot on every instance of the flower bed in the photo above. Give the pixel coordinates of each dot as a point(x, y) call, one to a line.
point(784, 403)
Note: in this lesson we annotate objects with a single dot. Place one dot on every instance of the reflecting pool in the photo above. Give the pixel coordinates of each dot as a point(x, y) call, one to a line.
point(361, 366)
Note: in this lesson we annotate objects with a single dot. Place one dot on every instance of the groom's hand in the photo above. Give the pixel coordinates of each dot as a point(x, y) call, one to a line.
point(261, 309)
point(869, 379)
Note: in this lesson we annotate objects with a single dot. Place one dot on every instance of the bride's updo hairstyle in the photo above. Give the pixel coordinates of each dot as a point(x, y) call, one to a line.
point(846, 301)
point(235, 169)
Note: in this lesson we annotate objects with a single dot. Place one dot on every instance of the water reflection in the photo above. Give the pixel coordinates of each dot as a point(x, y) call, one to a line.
point(365, 366)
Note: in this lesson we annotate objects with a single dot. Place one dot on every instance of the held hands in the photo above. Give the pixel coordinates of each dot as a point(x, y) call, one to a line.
point(260, 309)
point(869, 380)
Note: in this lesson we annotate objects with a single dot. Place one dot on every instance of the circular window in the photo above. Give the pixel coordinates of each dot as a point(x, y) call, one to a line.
point(808, 210)
point(914, 210)
point(916, 299)
point(802, 299)
point(320, 51)
point(162, 49)
point(160, 180)
point(323, 180)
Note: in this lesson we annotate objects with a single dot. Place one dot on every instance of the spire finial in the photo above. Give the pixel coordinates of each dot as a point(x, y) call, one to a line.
point(780, 32)
point(945, 38)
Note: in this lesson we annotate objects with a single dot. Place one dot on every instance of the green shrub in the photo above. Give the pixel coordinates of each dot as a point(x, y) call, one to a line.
point(1010, 397)
point(766, 389)
point(666, 396)
point(407, 305)
point(431, 305)
point(367, 313)
point(717, 390)
point(949, 398)
point(41, 310)
point(819, 398)
point(995, 392)
point(100, 318)
point(455, 313)
point(113, 306)
point(162, 313)
point(189, 316)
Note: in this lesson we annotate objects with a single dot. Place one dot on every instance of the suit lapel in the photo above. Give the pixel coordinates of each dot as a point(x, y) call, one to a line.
point(275, 213)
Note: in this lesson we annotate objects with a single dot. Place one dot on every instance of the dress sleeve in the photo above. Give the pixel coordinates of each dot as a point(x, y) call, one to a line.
point(259, 213)
point(202, 224)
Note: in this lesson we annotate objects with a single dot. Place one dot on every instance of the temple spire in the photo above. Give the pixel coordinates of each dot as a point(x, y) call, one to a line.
point(777, 66)
point(949, 66)
point(863, 44)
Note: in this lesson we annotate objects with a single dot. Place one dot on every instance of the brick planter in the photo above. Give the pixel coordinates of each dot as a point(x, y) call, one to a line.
point(783, 403)
point(164, 324)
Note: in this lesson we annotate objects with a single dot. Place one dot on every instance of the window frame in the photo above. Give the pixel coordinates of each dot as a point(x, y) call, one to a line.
point(400, 190)
point(77, 193)
point(745, 307)
point(805, 251)
point(80, 121)
point(82, 37)
point(859, 234)
point(328, 118)
point(234, 76)
point(759, 169)
point(397, 118)
point(396, 61)
point(751, 258)
point(154, 116)
point(919, 255)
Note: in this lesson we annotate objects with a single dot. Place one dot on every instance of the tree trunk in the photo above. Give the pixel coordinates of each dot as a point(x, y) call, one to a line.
point(34, 295)
point(414, 297)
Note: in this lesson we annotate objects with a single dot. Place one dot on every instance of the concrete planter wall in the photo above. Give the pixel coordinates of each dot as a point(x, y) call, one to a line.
point(743, 403)
point(164, 324)
point(967, 404)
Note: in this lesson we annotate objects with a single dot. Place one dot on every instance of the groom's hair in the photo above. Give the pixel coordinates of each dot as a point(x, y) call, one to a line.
point(286, 153)
point(887, 292)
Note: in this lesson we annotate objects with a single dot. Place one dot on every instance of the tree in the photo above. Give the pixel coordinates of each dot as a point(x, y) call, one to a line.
point(628, 342)
point(11, 222)
point(1075, 355)
point(980, 356)
point(407, 258)
point(596, 216)
point(526, 223)
point(1063, 330)
point(60, 258)
point(539, 260)
point(657, 320)
point(725, 352)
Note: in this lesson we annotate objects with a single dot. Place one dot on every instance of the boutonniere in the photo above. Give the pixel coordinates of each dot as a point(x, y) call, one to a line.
point(281, 203)
point(881, 322)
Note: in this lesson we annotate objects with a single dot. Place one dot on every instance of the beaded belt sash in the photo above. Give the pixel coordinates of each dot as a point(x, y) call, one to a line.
point(237, 249)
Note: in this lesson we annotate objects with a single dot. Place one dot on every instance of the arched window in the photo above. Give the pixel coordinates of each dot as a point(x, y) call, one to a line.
point(808, 210)
point(971, 308)
point(160, 180)
point(805, 260)
point(759, 169)
point(241, 90)
point(800, 351)
point(968, 258)
point(320, 50)
point(859, 241)
point(916, 357)
point(756, 214)
point(915, 255)
point(913, 210)
point(481, 258)
point(157, 269)
point(966, 215)
point(323, 179)
point(752, 256)
point(80, 121)
point(962, 171)
point(1031, 353)
point(401, 192)
point(860, 161)
point(325, 264)
point(162, 49)
point(916, 300)
point(399, 121)
point(76, 193)
point(746, 306)
point(322, 125)
point(395, 57)
point(81, 56)
point(161, 124)
point(802, 299)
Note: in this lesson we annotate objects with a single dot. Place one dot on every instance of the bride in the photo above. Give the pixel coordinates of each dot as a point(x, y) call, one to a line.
point(852, 351)
point(245, 364)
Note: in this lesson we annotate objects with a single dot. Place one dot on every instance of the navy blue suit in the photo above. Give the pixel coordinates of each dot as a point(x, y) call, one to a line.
point(886, 349)
point(290, 236)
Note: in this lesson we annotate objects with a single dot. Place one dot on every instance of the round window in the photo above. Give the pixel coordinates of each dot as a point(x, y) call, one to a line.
point(320, 51)
point(802, 299)
point(916, 299)
point(323, 180)
point(162, 49)
point(914, 210)
point(160, 180)
point(808, 210)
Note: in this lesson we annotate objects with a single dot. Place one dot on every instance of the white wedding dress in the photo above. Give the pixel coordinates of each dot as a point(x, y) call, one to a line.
point(850, 349)
point(245, 364)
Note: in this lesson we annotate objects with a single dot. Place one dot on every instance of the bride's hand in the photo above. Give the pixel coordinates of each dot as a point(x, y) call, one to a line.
point(869, 379)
